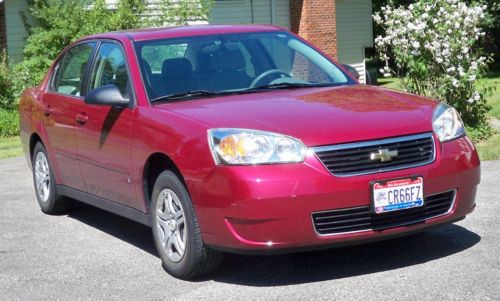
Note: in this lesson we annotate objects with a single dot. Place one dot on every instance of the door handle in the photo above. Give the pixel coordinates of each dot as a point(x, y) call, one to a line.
point(81, 119)
point(47, 111)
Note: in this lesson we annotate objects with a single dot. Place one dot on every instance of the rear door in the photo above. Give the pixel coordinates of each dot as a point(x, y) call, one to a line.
point(62, 103)
point(104, 137)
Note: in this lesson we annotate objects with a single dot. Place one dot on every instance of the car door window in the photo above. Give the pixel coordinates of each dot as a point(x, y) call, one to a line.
point(110, 68)
point(71, 70)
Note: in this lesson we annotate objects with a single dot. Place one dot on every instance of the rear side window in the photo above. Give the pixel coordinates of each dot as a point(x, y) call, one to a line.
point(110, 68)
point(71, 70)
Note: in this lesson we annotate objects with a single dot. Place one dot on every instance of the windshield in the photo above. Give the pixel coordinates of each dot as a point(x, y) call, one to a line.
point(232, 63)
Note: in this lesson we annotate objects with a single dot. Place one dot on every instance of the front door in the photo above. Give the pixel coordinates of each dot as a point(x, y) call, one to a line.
point(103, 135)
point(62, 103)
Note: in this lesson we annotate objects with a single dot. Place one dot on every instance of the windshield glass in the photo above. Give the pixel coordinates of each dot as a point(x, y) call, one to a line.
point(232, 63)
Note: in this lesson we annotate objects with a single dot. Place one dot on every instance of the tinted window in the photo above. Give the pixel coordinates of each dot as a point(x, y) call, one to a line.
point(155, 54)
point(233, 63)
point(110, 68)
point(71, 70)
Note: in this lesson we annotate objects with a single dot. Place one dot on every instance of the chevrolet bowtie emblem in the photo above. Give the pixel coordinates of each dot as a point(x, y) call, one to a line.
point(383, 155)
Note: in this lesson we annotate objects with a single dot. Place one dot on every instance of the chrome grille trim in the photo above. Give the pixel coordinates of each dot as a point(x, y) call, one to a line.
point(324, 150)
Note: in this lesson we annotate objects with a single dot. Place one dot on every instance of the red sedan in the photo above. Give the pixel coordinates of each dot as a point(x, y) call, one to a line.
point(240, 139)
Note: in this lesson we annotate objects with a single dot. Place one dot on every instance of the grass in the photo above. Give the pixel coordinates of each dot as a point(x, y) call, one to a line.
point(10, 147)
point(489, 149)
point(493, 80)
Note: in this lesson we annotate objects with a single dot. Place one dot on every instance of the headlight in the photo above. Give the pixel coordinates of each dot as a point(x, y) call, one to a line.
point(447, 123)
point(248, 147)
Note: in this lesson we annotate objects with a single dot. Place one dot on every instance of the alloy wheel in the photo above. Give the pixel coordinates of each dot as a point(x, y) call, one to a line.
point(42, 177)
point(171, 225)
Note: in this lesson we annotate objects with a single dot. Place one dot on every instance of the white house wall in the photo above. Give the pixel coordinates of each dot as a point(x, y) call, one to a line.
point(354, 32)
point(240, 12)
point(16, 33)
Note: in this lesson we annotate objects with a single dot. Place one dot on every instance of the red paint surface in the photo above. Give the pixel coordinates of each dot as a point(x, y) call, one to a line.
point(242, 207)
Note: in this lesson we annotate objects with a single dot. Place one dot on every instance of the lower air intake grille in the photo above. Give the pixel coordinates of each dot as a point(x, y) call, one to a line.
point(362, 219)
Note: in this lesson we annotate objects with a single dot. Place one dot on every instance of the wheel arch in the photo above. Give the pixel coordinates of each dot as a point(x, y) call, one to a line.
point(34, 139)
point(156, 164)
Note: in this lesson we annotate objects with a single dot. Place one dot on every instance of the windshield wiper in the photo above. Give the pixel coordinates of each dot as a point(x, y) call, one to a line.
point(290, 86)
point(186, 94)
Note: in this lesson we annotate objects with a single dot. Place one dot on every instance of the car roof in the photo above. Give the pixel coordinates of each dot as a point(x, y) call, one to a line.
point(142, 34)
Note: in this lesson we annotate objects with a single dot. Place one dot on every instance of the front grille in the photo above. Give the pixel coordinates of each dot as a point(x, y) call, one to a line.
point(362, 219)
point(354, 158)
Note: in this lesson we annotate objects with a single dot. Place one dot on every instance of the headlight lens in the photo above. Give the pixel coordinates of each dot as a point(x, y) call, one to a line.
point(248, 147)
point(447, 123)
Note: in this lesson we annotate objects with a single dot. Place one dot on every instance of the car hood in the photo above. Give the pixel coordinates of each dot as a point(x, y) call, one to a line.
point(317, 116)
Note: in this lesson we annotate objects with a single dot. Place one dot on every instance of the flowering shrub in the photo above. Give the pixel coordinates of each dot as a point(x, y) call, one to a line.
point(434, 47)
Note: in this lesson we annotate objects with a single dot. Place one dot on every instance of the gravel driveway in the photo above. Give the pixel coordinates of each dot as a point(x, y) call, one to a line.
point(91, 254)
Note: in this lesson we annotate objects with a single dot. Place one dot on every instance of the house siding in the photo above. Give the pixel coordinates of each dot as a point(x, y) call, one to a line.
point(238, 11)
point(354, 32)
point(16, 33)
point(248, 12)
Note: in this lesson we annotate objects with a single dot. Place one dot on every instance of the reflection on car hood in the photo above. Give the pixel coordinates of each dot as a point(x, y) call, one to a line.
point(317, 116)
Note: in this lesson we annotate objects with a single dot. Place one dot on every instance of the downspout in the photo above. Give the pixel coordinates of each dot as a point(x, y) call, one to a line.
point(251, 11)
point(273, 12)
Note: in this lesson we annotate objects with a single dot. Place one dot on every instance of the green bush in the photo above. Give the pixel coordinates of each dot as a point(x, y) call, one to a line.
point(7, 101)
point(9, 123)
point(436, 49)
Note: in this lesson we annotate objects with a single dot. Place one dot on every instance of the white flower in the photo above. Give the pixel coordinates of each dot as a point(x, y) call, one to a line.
point(472, 77)
point(415, 44)
point(454, 82)
point(476, 96)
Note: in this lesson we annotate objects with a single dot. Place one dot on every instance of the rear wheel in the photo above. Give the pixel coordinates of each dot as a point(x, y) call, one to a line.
point(45, 189)
point(176, 232)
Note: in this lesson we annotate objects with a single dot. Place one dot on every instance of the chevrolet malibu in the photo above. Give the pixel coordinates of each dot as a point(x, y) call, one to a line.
point(240, 139)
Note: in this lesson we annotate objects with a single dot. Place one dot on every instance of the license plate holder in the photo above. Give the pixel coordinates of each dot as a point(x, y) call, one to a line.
point(397, 194)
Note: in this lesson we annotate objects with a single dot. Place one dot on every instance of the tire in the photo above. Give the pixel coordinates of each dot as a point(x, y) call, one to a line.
point(176, 232)
point(45, 186)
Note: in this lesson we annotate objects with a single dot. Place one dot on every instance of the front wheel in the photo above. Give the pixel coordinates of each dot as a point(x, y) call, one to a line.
point(45, 188)
point(176, 232)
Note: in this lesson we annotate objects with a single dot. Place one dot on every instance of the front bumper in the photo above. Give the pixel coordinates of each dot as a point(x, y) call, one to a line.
point(269, 207)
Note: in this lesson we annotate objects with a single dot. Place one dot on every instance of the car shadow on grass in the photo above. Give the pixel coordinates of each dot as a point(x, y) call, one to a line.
point(306, 267)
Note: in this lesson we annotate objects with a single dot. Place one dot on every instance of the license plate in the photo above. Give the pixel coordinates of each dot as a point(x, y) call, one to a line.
point(398, 194)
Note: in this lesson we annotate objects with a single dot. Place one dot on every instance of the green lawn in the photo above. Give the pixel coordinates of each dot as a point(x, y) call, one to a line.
point(489, 149)
point(493, 80)
point(10, 147)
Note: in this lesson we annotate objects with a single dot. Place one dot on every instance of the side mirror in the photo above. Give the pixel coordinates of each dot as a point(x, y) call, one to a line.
point(351, 70)
point(108, 95)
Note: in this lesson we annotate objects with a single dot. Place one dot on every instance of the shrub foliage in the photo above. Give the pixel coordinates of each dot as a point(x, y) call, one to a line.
point(436, 50)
